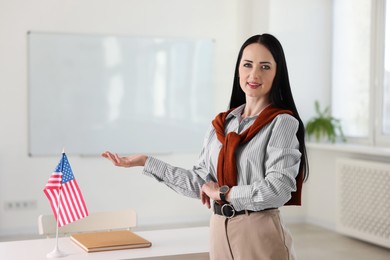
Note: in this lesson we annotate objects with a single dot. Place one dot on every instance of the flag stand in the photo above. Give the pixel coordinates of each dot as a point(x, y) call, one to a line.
point(60, 184)
point(56, 251)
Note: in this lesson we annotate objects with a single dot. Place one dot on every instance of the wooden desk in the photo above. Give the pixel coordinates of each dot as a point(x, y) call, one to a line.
point(173, 244)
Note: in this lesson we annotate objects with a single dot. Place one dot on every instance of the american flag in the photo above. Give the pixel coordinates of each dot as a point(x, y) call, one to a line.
point(63, 185)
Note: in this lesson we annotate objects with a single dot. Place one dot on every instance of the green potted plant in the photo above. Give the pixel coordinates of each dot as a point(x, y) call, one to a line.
point(323, 125)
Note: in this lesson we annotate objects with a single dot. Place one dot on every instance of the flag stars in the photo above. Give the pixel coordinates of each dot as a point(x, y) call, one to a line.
point(64, 167)
point(67, 171)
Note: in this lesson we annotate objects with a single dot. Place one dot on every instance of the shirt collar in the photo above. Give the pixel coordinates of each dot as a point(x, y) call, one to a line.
point(236, 112)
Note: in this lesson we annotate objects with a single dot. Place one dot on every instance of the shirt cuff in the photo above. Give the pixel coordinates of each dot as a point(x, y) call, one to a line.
point(240, 197)
point(154, 168)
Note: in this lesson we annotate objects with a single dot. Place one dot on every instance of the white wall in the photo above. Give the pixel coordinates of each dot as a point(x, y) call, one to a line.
point(229, 22)
point(307, 28)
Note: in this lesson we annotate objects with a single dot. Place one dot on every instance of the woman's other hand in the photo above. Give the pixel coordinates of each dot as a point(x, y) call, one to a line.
point(128, 161)
point(210, 190)
point(205, 199)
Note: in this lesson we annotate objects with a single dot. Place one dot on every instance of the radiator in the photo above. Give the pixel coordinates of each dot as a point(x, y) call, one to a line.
point(363, 192)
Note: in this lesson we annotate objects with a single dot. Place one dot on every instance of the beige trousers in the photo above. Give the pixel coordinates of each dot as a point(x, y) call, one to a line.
point(252, 236)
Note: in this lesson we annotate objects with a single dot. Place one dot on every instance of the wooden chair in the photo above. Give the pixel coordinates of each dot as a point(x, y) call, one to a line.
point(99, 221)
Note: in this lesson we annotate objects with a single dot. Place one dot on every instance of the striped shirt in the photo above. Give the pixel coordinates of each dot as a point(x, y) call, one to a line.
point(266, 166)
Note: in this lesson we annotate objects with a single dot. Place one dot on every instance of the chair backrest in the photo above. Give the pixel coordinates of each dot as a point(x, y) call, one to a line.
point(98, 221)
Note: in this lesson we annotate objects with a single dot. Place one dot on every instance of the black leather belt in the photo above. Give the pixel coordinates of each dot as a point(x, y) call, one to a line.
point(228, 211)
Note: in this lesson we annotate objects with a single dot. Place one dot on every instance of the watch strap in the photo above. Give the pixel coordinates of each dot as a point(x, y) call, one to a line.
point(223, 197)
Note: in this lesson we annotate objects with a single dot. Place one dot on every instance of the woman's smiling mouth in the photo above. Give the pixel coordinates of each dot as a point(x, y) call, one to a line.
point(253, 85)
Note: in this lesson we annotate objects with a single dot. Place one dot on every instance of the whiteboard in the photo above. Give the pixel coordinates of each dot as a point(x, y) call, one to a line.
point(91, 93)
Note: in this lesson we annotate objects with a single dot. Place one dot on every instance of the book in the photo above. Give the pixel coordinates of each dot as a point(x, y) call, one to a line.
point(109, 240)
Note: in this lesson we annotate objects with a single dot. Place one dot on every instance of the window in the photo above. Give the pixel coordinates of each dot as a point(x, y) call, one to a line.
point(361, 70)
point(386, 76)
point(382, 55)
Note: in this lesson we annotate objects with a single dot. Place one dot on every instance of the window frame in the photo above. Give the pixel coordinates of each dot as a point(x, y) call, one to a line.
point(378, 72)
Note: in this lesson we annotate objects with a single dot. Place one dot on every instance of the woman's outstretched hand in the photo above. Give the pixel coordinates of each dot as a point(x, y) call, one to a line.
point(128, 161)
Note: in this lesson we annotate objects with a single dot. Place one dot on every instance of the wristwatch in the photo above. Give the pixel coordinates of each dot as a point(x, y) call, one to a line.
point(223, 190)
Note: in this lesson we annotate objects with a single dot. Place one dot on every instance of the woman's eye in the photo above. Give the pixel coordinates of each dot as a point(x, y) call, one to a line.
point(247, 65)
point(265, 67)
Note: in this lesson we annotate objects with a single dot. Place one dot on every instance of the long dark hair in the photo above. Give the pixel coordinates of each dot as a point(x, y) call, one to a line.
point(280, 94)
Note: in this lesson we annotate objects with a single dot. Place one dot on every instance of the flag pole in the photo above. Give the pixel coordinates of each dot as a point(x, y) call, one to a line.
point(56, 251)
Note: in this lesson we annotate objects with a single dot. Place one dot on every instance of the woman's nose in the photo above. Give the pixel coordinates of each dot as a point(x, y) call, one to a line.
point(255, 74)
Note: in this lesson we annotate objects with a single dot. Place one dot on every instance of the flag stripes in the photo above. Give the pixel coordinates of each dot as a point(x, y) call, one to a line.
point(63, 187)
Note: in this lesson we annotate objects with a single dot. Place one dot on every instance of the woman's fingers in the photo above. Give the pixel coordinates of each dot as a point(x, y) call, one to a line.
point(208, 202)
point(105, 154)
point(117, 160)
point(205, 199)
point(114, 158)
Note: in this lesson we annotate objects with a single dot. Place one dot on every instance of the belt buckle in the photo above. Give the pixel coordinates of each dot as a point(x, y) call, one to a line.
point(232, 210)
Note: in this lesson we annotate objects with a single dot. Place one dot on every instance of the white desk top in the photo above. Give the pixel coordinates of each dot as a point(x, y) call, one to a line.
point(167, 242)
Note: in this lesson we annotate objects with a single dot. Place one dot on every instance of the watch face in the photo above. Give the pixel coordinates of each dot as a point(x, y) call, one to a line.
point(224, 189)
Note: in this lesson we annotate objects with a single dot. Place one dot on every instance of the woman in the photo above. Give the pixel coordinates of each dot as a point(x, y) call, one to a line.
point(253, 160)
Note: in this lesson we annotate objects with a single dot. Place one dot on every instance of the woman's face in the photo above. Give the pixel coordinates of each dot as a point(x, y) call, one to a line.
point(257, 71)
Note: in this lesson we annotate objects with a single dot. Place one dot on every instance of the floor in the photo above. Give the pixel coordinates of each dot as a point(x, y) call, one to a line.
point(312, 243)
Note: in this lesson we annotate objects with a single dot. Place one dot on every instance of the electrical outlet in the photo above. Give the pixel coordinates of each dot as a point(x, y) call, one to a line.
point(20, 205)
